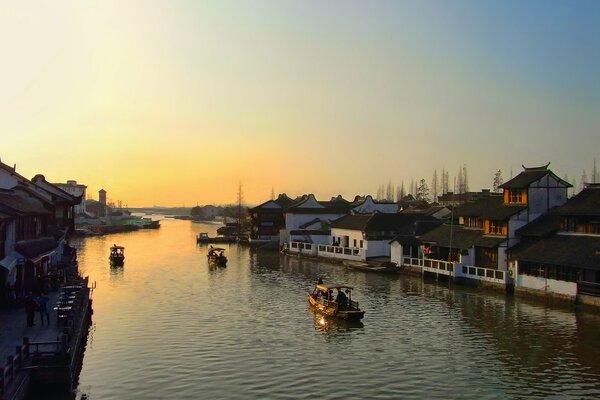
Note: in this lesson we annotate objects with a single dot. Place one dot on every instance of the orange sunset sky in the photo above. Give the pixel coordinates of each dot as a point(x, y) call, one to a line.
point(173, 103)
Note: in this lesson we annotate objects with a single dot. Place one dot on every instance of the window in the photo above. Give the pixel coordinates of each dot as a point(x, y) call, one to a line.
point(516, 196)
point(354, 242)
point(361, 244)
point(486, 257)
point(472, 222)
point(495, 227)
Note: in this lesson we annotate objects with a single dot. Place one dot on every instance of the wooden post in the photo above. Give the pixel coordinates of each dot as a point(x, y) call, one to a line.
point(19, 355)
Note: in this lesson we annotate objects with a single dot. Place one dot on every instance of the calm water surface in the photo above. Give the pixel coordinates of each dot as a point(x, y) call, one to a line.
point(168, 326)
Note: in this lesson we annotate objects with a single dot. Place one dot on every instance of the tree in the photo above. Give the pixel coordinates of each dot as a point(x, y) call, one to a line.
point(379, 194)
point(434, 186)
point(389, 191)
point(272, 193)
point(458, 184)
point(413, 187)
point(196, 211)
point(422, 191)
point(465, 179)
point(497, 181)
point(595, 176)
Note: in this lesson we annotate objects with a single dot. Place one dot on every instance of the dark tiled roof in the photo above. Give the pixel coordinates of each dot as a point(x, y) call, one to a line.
point(282, 200)
point(477, 208)
point(586, 203)
point(36, 247)
point(356, 222)
point(56, 192)
point(394, 224)
point(11, 201)
point(503, 212)
point(529, 176)
point(490, 241)
point(431, 210)
point(568, 250)
point(491, 207)
point(541, 227)
point(462, 238)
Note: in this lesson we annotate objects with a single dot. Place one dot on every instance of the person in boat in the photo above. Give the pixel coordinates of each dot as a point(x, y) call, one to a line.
point(342, 300)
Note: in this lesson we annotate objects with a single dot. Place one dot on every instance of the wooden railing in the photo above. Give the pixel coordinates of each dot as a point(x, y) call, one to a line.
point(13, 365)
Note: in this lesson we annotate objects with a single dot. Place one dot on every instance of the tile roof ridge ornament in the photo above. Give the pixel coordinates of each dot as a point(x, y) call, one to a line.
point(542, 167)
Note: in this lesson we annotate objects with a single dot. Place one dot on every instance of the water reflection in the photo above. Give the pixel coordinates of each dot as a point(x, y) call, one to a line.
point(331, 327)
point(116, 273)
point(191, 329)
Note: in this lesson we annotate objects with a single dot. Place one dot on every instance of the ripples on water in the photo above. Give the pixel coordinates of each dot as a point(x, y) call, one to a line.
point(168, 326)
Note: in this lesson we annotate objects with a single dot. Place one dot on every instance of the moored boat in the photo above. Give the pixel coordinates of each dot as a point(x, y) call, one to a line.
point(117, 255)
point(216, 256)
point(334, 300)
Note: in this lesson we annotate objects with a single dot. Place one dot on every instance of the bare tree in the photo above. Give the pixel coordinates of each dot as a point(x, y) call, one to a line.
point(458, 185)
point(272, 193)
point(434, 186)
point(402, 191)
point(497, 181)
point(379, 195)
point(594, 173)
point(389, 191)
point(584, 180)
point(465, 180)
point(422, 191)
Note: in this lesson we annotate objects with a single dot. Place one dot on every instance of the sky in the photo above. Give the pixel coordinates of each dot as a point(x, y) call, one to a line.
point(174, 103)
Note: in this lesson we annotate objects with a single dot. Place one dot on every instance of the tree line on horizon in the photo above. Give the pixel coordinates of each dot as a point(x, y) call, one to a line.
point(440, 185)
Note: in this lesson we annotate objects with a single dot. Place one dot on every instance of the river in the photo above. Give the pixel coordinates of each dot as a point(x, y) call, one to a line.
point(168, 326)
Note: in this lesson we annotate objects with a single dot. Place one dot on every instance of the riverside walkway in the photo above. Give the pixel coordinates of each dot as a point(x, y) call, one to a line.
point(48, 354)
point(13, 328)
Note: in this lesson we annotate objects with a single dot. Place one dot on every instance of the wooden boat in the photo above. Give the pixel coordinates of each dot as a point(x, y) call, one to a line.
point(383, 268)
point(216, 256)
point(335, 300)
point(203, 237)
point(117, 255)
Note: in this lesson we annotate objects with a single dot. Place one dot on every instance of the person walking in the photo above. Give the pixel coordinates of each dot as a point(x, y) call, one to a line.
point(30, 307)
point(42, 301)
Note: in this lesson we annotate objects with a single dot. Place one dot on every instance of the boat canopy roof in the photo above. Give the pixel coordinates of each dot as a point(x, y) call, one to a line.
point(329, 286)
point(216, 249)
point(115, 247)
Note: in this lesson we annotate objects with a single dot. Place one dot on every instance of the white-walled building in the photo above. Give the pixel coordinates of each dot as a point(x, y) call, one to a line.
point(76, 190)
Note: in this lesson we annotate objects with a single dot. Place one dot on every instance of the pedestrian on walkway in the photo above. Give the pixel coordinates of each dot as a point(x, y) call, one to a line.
point(30, 307)
point(42, 301)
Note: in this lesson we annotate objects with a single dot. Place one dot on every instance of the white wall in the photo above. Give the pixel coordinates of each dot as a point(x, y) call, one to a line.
point(396, 253)
point(352, 234)
point(547, 285)
point(378, 248)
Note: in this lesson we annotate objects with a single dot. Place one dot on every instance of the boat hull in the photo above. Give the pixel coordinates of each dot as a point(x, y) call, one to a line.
point(332, 311)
